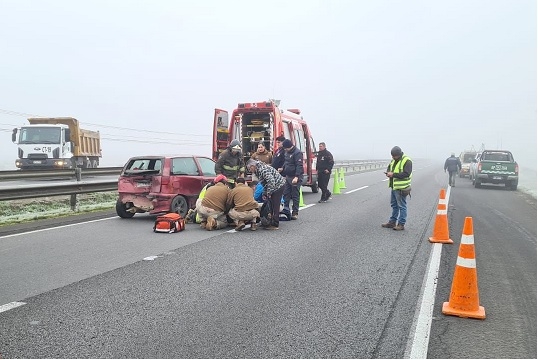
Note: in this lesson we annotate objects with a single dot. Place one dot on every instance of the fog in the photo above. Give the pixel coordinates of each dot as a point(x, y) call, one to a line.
point(433, 77)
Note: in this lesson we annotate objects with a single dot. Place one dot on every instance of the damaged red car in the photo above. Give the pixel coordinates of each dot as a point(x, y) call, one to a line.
point(161, 184)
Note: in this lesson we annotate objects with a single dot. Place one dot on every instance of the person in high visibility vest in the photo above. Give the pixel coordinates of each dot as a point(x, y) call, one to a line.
point(399, 173)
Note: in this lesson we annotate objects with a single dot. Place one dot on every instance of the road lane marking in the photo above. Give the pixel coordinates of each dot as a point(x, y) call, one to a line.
point(56, 227)
point(11, 305)
point(421, 337)
point(417, 347)
point(362, 187)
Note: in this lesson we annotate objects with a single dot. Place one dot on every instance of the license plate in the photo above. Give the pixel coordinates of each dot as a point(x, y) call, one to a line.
point(497, 178)
point(142, 184)
point(37, 161)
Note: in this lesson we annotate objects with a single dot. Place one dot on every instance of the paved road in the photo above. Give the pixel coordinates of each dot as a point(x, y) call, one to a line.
point(332, 284)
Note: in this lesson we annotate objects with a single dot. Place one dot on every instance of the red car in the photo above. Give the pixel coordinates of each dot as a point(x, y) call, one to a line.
point(161, 184)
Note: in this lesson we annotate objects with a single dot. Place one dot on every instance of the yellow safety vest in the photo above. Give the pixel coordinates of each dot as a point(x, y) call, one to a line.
point(398, 184)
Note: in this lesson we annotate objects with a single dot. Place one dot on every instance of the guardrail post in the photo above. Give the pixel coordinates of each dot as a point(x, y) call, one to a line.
point(73, 201)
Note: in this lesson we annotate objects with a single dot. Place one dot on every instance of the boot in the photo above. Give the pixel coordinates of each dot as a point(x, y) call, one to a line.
point(240, 225)
point(389, 225)
point(211, 224)
point(294, 215)
point(253, 226)
point(398, 227)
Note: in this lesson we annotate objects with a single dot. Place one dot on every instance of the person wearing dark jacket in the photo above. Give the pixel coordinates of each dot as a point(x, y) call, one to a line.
point(324, 166)
point(230, 163)
point(453, 165)
point(278, 156)
point(293, 171)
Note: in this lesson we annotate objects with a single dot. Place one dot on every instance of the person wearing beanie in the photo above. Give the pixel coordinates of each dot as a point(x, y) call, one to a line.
point(278, 156)
point(293, 171)
point(399, 174)
point(324, 166)
point(453, 165)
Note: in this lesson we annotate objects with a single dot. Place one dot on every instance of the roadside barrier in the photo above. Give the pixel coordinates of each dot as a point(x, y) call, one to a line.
point(440, 228)
point(342, 180)
point(336, 183)
point(464, 299)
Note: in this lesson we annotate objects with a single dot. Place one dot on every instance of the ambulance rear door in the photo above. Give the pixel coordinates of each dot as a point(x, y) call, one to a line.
point(221, 132)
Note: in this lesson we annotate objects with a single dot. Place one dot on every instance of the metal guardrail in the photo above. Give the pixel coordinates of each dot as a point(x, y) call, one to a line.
point(80, 186)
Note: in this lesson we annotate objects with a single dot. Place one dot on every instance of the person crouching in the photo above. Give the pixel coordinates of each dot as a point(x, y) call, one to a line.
point(213, 207)
point(243, 207)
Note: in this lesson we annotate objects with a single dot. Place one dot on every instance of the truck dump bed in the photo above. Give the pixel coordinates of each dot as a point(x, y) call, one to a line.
point(87, 142)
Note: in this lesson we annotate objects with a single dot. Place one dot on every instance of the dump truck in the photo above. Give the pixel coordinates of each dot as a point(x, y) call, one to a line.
point(56, 143)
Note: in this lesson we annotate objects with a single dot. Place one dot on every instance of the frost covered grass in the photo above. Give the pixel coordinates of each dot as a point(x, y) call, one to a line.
point(18, 211)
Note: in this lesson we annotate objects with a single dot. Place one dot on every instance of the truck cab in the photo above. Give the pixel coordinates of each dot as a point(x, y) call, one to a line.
point(43, 146)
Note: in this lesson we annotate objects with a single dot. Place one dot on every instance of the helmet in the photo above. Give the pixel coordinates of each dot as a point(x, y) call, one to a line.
point(235, 145)
point(220, 178)
point(396, 151)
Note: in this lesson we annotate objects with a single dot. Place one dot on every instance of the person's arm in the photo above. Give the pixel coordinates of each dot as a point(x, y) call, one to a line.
point(331, 162)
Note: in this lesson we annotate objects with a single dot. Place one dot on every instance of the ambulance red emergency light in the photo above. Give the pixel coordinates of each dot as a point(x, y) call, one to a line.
point(265, 121)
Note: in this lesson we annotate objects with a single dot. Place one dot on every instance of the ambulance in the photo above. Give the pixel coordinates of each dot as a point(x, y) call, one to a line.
point(265, 121)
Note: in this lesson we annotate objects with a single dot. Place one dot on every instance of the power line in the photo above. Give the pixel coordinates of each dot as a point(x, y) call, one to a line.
point(17, 113)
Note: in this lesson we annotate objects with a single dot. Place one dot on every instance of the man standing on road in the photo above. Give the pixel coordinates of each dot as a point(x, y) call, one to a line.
point(399, 174)
point(453, 165)
point(293, 171)
point(278, 156)
point(324, 166)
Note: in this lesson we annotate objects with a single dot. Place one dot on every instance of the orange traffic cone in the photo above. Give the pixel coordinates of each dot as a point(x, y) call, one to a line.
point(440, 229)
point(464, 301)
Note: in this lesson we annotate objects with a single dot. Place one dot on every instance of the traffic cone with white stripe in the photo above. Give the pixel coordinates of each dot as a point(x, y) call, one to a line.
point(440, 229)
point(464, 300)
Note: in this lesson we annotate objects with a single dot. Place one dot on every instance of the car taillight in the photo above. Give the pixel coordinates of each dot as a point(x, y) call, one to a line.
point(479, 166)
point(517, 169)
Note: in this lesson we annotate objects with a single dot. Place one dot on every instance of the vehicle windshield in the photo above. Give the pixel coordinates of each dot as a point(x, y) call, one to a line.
point(467, 158)
point(40, 135)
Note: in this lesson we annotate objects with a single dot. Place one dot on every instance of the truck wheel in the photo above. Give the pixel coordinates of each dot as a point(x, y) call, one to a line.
point(121, 210)
point(179, 205)
point(513, 185)
point(315, 188)
point(476, 183)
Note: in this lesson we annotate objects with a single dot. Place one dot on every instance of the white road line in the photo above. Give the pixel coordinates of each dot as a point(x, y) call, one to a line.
point(57, 227)
point(363, 187)
point(419, 337)
point(11, 305)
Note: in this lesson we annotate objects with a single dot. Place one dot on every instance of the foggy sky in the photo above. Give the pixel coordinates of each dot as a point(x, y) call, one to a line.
point(433, 77)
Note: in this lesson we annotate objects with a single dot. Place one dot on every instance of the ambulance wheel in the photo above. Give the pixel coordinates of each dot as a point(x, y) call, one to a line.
point(179, 205)
point(315, 188)
point(121, 210)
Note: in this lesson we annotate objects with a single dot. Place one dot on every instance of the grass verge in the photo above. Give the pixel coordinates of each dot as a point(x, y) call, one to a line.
point(20, 211)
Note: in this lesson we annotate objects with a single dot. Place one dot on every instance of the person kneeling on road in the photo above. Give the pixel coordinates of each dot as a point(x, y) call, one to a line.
point(213, 206)
point(243, 207)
